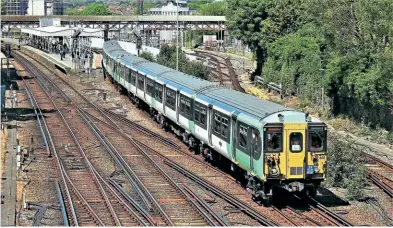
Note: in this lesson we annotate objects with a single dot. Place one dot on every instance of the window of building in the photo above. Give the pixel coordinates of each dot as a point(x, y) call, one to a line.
point(296, 142)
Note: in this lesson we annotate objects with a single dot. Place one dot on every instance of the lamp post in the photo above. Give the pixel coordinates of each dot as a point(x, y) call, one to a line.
point(177, 35)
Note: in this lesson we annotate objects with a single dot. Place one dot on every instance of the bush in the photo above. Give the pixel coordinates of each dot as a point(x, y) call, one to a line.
point(345, 168)
point(147, 55)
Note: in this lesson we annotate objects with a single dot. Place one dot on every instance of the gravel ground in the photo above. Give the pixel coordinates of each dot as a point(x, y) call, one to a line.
point(36, 182)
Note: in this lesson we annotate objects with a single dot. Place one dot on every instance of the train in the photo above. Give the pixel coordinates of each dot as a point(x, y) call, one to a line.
point(270, 146)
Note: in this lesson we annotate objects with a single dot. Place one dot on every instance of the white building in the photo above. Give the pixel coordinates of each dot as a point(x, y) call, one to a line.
point(170, 9)
point(36, 7)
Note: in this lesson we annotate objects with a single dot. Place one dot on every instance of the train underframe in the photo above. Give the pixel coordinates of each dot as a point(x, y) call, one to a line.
point(262, 191)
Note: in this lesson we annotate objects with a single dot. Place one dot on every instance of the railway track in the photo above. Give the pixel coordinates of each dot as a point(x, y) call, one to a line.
point(89, 114)
point(89, 201)
point(376, 174)
point(225, 79)
point(161, 190)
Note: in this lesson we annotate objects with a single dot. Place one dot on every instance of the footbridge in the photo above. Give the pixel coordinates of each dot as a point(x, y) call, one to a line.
point(201, 23)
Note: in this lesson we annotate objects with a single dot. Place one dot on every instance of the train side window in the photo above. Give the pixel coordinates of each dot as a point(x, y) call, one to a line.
point(202, 118)
point(217, 123)
point(196, 113)
point(141, 82)
point(224, 127)
point(273, 139)
point(149, 86)
point(296, 142)
point(243, 133)
point(317, 139)
point(171, 98)
point(158, 92)
point(200, 114)
point(185, 105)
point(133, 77)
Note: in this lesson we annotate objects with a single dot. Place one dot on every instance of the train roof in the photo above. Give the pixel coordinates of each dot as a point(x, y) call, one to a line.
point(245, 102)
point(239, 101)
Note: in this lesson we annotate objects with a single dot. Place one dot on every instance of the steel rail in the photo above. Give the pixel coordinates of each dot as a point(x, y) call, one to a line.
point(325, 210)
point(220, 219)
point(57, 160)
point(62, 205)
point(163, 173)
point(379, 181)
point(116, 155)
point(123, 162)
point(82, 153)
point(223, 194)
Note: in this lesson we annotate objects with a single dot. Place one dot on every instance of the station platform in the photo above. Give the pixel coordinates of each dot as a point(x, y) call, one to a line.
point(66, 65)
point(53, 60)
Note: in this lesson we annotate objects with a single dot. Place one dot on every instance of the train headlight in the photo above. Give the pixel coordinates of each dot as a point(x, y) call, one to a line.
point(274, 171)
point(316, 169)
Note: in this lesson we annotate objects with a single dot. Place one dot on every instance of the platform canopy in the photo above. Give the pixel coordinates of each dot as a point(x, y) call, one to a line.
point(57, 31)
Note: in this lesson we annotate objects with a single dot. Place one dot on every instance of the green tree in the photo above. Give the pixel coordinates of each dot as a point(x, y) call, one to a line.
point(92, 9)
point(260, 22)
point(167, 57)
point(147, 55)
point(213, 9)
point(3, 7)
point(341, 45)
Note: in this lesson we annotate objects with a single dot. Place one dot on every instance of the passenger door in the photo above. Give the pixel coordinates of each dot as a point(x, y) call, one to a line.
point(210, 122)
point(234, 136)
point(296, 151)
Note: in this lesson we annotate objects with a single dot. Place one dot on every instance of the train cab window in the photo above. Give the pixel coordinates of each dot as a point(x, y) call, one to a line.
point(158, 92)
point(141, 82)
point(170, 98)
point(243, 133)
point(273, 139)
point(149, 86)
point(317, 139)
point(296, 142)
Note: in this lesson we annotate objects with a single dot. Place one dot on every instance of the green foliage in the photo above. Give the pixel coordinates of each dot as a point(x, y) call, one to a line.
point(213, 9)
point(3, 3)
point(167, 57)
point(92, 9)
point(147, 55)
point(344, 168)
point(389, 137)
point(349, 40)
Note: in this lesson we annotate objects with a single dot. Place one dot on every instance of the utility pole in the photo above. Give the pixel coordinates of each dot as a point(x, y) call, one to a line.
point(177, 35)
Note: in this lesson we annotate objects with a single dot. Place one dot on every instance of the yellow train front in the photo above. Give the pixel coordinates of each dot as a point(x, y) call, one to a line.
point(294, 158)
